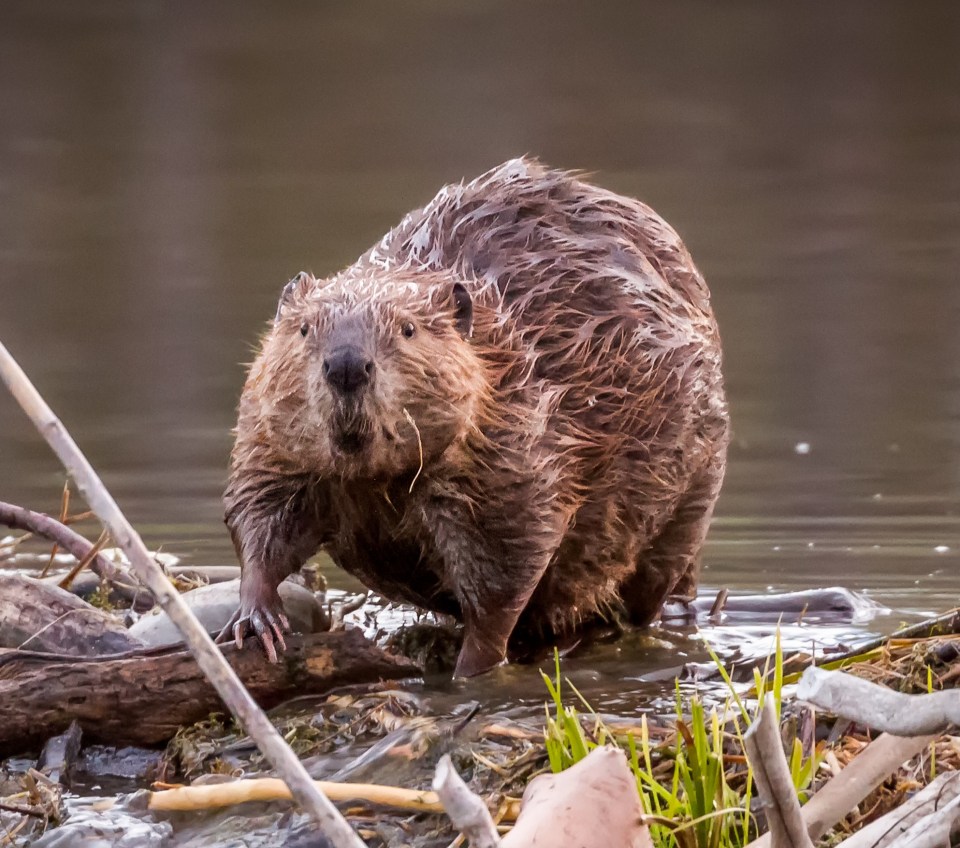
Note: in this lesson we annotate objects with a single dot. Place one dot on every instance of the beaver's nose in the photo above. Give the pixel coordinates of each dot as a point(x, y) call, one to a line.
point(347, 369)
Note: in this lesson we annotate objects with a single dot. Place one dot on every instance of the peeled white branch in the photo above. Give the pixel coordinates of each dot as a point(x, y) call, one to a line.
point(889, 830)
point(765, 751)
point(467, 811)
point(936, 830)
point(209, 658)
point(879, 707)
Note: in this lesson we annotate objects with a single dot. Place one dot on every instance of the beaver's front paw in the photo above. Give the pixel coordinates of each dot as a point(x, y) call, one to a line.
point(260, 615)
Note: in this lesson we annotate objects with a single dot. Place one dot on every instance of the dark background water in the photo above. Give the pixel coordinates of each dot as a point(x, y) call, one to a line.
point(165, 167)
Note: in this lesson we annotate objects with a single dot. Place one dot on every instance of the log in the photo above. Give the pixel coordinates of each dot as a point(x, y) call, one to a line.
point(37, 616)
point(877, 706)
point(144, 697)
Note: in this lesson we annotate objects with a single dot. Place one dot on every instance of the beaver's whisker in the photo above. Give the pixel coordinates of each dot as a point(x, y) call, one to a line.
point(416, 430)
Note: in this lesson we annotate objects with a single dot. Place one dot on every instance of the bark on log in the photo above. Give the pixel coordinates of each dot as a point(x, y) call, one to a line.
point(142, 698)
point(36, 616)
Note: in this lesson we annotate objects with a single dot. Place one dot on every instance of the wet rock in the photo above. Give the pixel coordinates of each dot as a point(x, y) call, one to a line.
point(129, 763)
point(214, 605)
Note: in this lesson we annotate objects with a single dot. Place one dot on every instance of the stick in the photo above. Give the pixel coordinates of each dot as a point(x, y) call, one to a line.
point(467, 811)
point(271, 789)
point(879, 707)
point(842, 793)
point(209, 658)
point(772, 774)
point(887, 831)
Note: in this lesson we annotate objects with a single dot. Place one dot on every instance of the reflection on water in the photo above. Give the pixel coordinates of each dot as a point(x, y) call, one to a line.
point(164, 168)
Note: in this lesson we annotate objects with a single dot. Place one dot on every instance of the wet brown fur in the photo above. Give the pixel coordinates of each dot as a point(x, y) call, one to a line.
point(523, 467)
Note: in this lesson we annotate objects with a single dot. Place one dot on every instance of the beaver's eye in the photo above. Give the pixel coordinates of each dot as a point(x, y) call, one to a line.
point(304, 329)
point(408, 330)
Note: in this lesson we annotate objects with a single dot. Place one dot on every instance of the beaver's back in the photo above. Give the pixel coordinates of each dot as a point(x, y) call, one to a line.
point(619, 376)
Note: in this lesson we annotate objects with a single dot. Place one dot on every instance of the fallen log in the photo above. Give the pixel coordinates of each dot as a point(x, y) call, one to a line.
point(144, 697)
point(37, 616)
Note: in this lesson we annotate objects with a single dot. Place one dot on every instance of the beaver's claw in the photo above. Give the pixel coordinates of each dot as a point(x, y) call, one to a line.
point(266, 623)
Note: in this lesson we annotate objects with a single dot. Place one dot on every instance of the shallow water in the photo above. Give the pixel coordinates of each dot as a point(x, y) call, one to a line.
point(164, 168)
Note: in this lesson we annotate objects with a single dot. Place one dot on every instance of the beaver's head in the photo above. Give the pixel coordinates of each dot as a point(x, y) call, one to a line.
point(369, 376)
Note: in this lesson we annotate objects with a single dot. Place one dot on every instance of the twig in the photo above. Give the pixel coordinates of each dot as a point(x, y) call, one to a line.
point(23, 811)
point(18, 518)
point(64, 514)
point(98, 546)
point(879, 707)
point(772, 774)
point(467, 811)
point(209, 658)
point(864, 774)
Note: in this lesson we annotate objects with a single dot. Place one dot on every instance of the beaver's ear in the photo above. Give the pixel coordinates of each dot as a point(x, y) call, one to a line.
point(463, 310)
point(297, 286)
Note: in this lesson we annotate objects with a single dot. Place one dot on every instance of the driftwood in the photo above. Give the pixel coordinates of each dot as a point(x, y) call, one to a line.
point(467, 811)
point(322, 812)
point(889, 830)
point(144, 697)
point(37, 616)
point(879, 707)
point(772, 774)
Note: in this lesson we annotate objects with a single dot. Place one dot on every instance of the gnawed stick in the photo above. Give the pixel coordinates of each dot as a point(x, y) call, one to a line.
point(209, 658)
point(936, 830)
point(887, 831)
point(467, 811)
point(215, 795)
point(772, 774)
point(865, 773)
point(879, 707)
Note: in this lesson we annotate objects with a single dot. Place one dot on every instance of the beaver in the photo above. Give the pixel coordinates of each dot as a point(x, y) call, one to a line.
point(510, 410)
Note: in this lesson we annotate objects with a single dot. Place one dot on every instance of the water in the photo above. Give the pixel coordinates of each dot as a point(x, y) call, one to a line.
point(165, 167)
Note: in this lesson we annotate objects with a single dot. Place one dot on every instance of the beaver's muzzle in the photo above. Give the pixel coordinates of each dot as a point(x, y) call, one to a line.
point(347, 369)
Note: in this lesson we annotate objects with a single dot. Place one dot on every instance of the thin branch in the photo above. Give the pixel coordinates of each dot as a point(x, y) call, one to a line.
point(18, 518)
point(209, 658)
